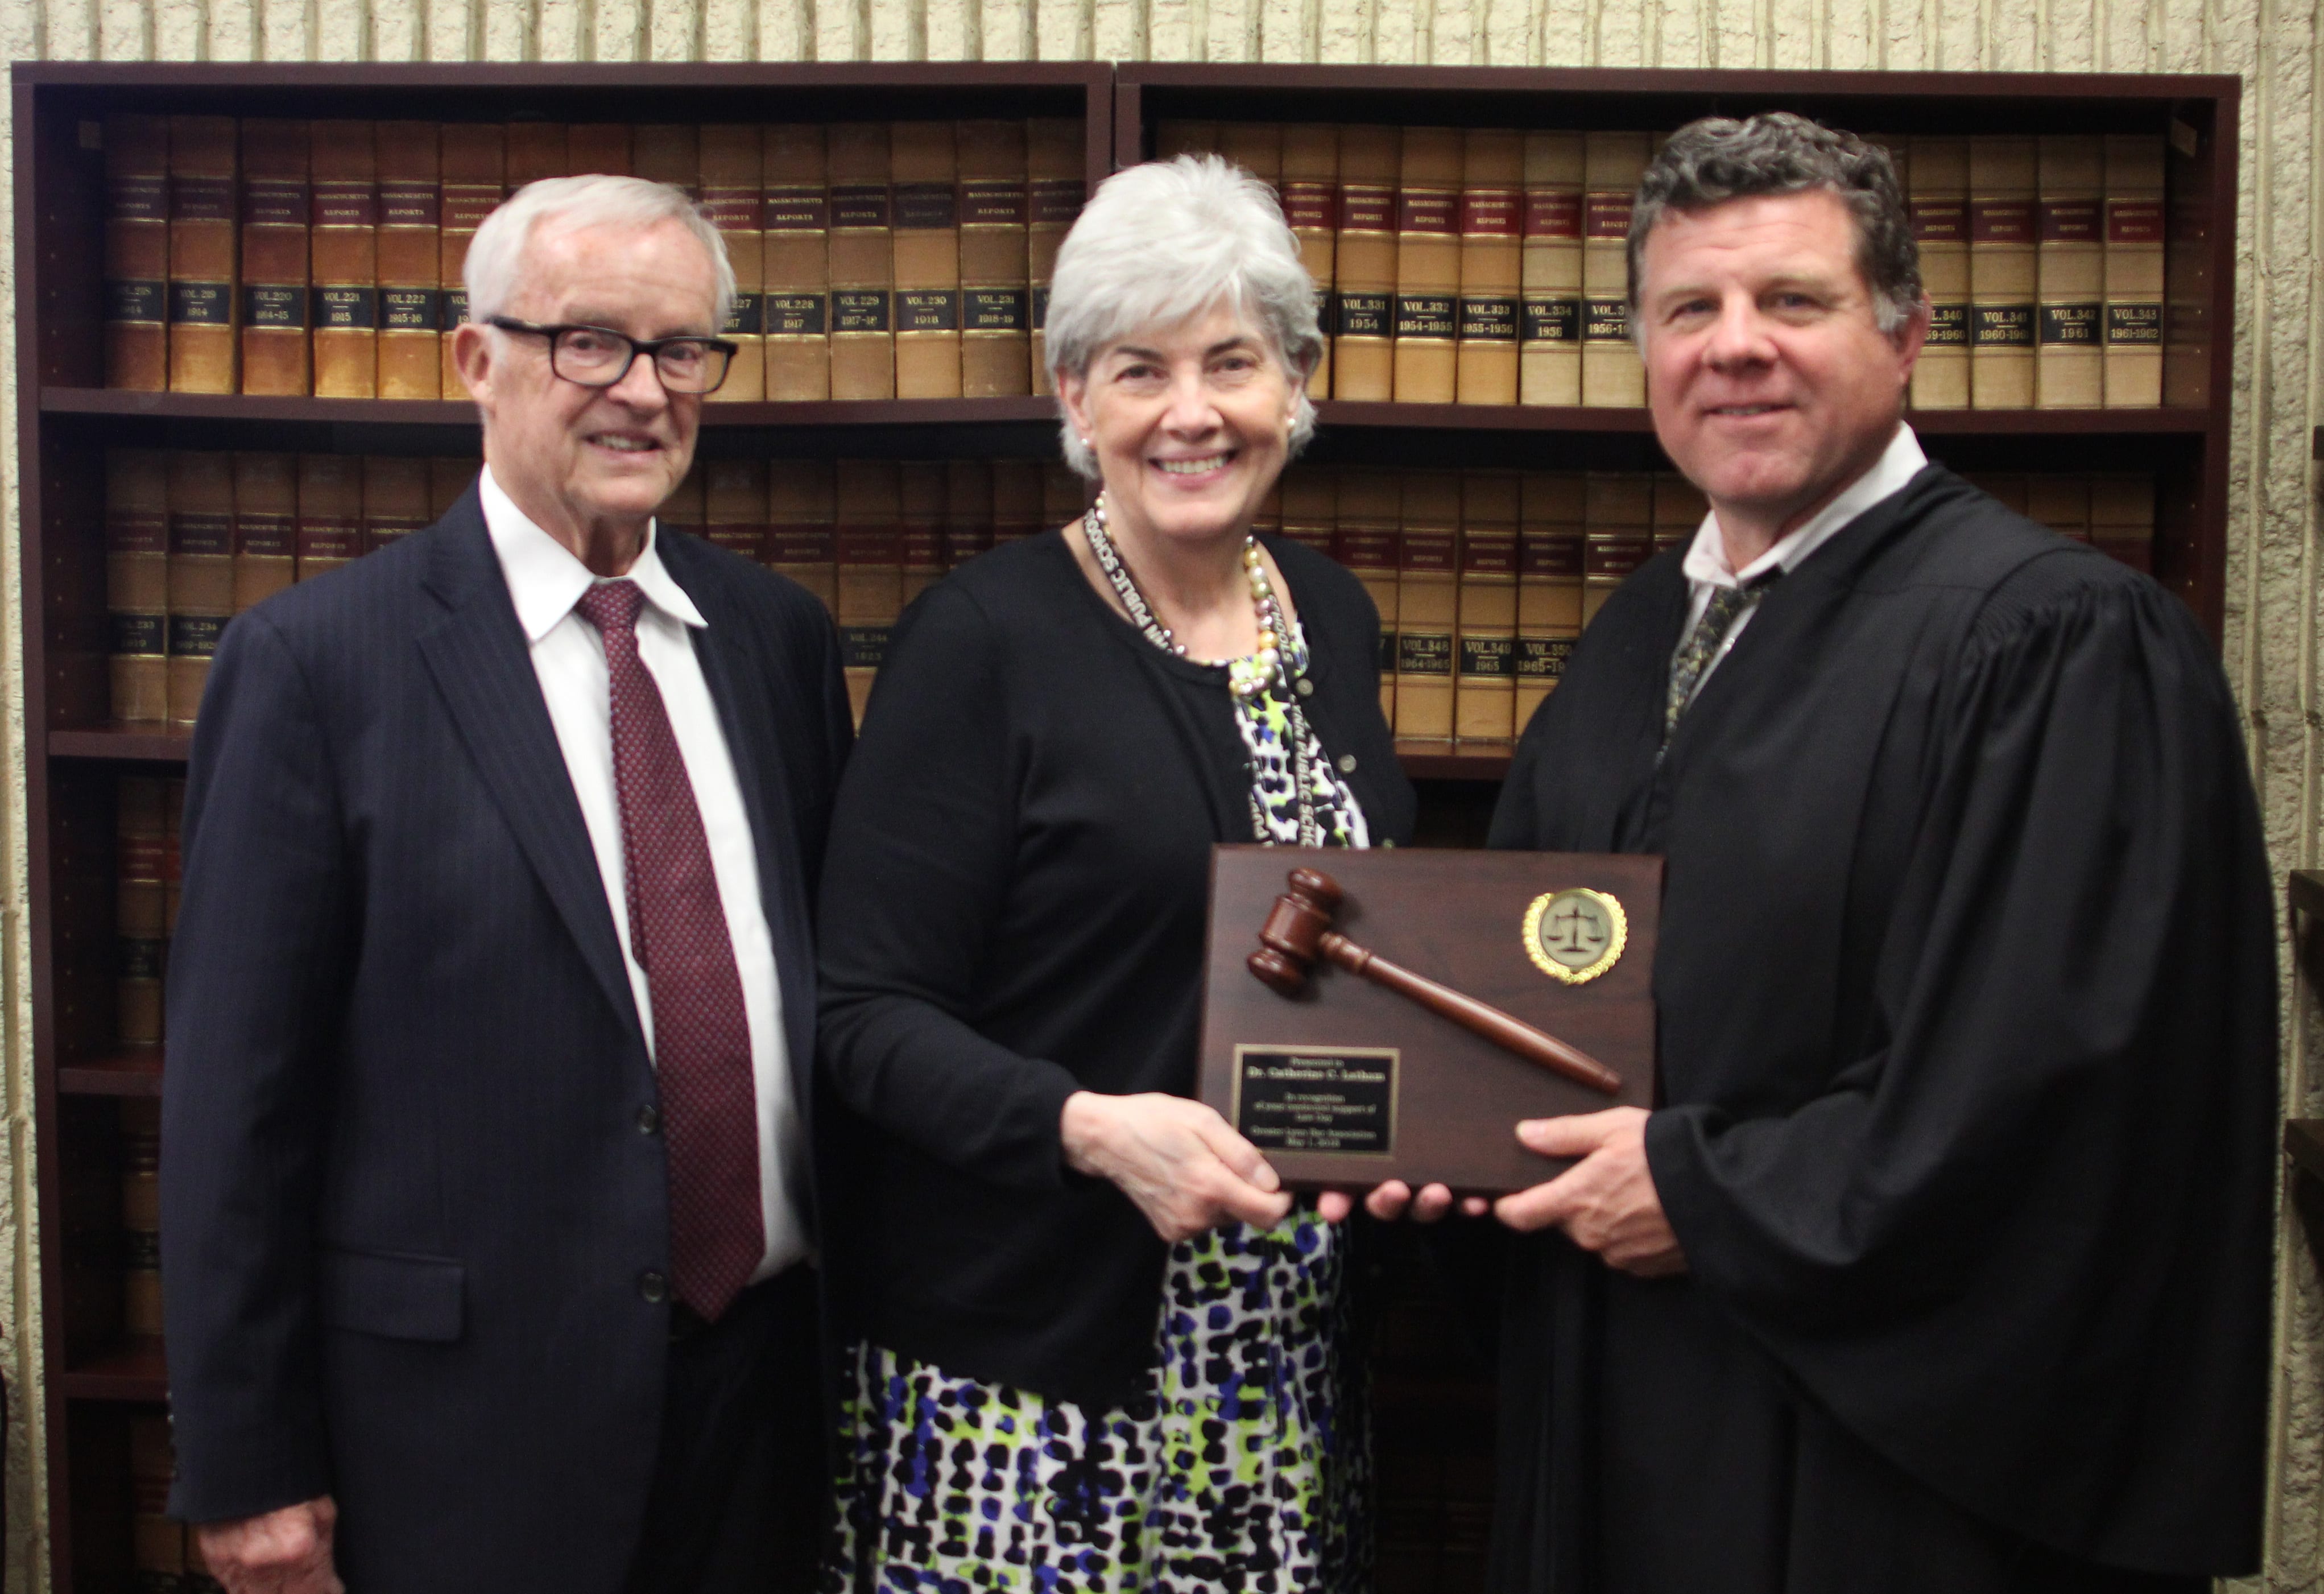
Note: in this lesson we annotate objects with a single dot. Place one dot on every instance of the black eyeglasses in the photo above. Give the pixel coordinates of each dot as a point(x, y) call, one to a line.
point(598, 357)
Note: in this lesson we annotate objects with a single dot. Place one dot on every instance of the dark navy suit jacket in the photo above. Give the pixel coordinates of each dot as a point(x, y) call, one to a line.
point(409, 1187)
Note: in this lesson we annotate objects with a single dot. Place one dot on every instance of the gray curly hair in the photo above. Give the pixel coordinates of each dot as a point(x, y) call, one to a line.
point(1160, 243)
point(1718, 159)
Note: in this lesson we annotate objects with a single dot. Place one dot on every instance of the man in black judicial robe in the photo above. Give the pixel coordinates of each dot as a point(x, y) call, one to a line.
point(1944, 1263)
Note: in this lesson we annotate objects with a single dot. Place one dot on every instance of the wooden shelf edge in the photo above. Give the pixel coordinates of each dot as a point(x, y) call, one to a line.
point(123, 742)
point(242, 407)
point(133, 1072)
point(127, 1369)
point(1435, 760)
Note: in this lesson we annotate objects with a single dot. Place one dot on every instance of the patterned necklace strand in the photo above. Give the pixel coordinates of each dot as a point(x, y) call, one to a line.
point(1269, 667)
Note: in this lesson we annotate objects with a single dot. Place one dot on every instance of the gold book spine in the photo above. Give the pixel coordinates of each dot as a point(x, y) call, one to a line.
point(871, 570)
point(669, 152)
point(411, 358)
point(734, 506)
point(996, 308)
point(1617, 534)
point(2122, 518)
point(1938, 204)
point(1428, 265)
point(1311, 204)
point(157, 1544)
point(137, 253)
point(275, 214)
point(1493, 219)
point(474, 160)
point(1056, 188)
point(926, 174)
point(205, 319)
point(344, 244)
point(448, 480)
point(1485, 686)
point(687, 508)
point(140, 921)
point(141, 1261)
point(266, 526)
point(1549, 333)
point(137, 583)
point(1612, 377)
point(595, 148)
point(968, 510)
point(1256, 147)
point(1016, 500)
point(1679, 510)
point(1428, 605)
point(394, 500)
point(2133, 271)
point(330, 512)
point(796, 308)
point(920, 537)
point(862, 263)
point(1367, 542)
point(802, 520)
point(1179, 137)
point(2002, 271)
point(534, 149)
point(1310, 512)
point(2061, 503)
point(201, 571)
point(733, 197)
point(1549, 586)
point(2068, 365)
point(1363, 340)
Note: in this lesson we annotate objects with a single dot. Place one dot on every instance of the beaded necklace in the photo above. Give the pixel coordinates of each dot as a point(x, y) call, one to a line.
point(1266, 669)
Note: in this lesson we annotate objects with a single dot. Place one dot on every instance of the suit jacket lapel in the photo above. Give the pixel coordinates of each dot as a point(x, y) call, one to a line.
point(484, 672)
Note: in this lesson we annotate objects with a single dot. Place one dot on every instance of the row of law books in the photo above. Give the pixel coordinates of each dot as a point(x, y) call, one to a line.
point(145, 901)
point(1489, 265)
point(872, 260)
point(166, 1556)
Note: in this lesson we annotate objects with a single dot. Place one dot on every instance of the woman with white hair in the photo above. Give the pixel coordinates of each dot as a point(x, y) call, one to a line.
point(1092, 1344)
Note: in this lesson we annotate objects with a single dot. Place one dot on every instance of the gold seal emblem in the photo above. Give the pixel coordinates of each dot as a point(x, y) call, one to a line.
point(1575, 935)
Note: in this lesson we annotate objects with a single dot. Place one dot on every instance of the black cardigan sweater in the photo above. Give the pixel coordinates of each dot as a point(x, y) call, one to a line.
point(1013, 908)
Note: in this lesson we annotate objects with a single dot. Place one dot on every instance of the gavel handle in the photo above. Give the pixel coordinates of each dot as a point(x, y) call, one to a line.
point(1480, 1018)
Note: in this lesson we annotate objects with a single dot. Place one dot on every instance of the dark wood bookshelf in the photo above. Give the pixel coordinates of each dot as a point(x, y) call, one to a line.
point(127, 1369)
point(134, 1071)
point(135, 744)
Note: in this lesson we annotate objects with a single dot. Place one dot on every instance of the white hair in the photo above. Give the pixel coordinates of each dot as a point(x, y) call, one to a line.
point(496, 254)
point(1162, 243)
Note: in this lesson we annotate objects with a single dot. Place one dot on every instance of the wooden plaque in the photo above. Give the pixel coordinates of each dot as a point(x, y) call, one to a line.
point(1350, 1083)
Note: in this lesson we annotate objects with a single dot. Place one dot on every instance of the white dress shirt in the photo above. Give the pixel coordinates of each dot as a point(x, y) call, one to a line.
point(544, 580)
point(1707, 569)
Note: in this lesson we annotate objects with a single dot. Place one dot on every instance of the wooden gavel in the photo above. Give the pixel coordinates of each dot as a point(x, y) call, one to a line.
point(1298, 930)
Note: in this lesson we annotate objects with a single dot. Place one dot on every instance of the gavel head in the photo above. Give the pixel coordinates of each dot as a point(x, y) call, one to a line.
point(1291, 940)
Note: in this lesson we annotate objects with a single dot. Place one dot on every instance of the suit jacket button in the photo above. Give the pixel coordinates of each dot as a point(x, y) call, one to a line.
point(649, 1119)
point(1347, 763)
point(653, 1287)
point(1307, 687)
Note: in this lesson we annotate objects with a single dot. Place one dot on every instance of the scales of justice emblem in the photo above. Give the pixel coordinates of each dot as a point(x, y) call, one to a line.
point(1575, 935)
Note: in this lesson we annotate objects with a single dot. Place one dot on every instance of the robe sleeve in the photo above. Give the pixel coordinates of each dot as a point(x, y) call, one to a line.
point(2022, 1224)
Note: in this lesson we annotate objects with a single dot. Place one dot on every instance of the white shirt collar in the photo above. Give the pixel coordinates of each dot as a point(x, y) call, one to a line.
point(544, 580)
point(1899, 463)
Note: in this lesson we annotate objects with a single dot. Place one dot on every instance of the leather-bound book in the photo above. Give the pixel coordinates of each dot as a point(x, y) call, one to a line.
point(863, 262)
point(1056, 188)
point(1549, 586)
point(1679, 510)
point(1938, 202)
point(137, 253)
point(394, 499)
point(802, 521)
point(2062, 502)
point(1427, 605)
point(1492, 219)
point(274, 219)
point(266, 526)
point(2122, 518)
point(203, 315)
point(2003, 176)
point(796, 308)
point(157, 1544)
point(141, 842)
point(1310, 506)
point(2133, 345)
point(921, 494)
point(1618, 533)
point(1180, 137)
point(1484, 704)
point(1363, 347)
point(871, 569)
point(137, 583)
point(1427, 264)
point(330, 512)
point(474, 159)
point(996, 306)
point(2006, 488)
point(1064, 495)
point(201, 571)
point(141, 1218)
point(1371, 503)
point(687, 507)
point(343, 247)
point(598, 149)
point(535, 150)
point(968, 510)
point(1311, 204)
point(926, 165)
point(1549, 331)
point(411, 263)
point(733, 198)
point(449, 478)
point(1612, 164)
point(734, 506)
point(1256, 147)
point(1016, 500)
point(1267, 519)
point(668, 151)
point(2069, 369)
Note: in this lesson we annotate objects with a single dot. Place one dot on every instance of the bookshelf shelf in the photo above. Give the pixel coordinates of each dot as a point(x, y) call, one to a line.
point(134, 1071)
point(448, 412)
point(129, 1369)
point(1427, 760)
point(123, 743)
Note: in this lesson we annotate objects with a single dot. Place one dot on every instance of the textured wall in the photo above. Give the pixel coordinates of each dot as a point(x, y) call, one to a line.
point(2272, 580)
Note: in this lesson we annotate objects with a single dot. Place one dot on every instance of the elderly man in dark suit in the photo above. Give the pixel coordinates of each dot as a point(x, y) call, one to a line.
point(485, 1168)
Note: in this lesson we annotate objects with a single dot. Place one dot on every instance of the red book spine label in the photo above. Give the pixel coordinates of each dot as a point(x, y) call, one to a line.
point(1428, 552)
point(800, 209)
point(1553, 213)
point(137, 199)
point(1491, 213)
point(870, 545)
point(405, 204)
point(2001, 221)
point(1310, 203)
point(733, 210)
point(1056, 199)
point(1367, 208)
point(134, 531)
point(1484, 554)
point(1940, 221)
point(138, 857)
point(379, 530)
point(1428, 210)
point(265, 536)
point(2069, 221)
point(345, 204)
point(803, 545)
point(465, 207)
point(1554, 555)
point(273, 201)
point(859, 204)
point(1612, 555)
point(747, 538)
point(2134, 221)
point(1606, 215)
point(193, 531)
point(329, 538)
point(1362, 547)
point(992, 202)
point(201, 198)
point(926, 204)
point(923, 548)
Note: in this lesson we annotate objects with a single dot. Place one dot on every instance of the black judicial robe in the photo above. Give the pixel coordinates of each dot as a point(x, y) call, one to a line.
point(1966, 1027)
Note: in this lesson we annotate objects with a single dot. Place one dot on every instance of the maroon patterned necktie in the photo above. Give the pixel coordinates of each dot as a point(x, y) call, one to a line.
point(677, 934)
